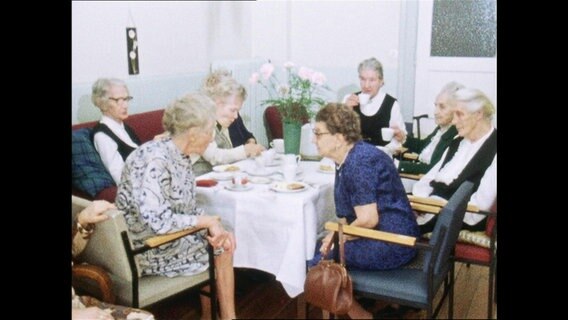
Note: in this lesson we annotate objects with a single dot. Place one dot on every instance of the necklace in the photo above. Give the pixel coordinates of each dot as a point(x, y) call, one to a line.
point(344, 158)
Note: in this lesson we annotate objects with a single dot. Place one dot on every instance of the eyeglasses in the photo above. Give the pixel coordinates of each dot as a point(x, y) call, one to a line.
point(319, 134)
point(117, 100)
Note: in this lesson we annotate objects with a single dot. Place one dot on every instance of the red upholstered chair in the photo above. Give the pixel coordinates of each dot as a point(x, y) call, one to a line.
point(474, 254)
point(273, 123)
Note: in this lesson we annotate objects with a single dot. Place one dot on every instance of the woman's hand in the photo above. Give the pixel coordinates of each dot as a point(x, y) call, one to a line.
point(398, 134)
point(325, 242)
point(221, 238)
point(352, 101)
point(253, 149)
point(94, 213)
point(90, 314)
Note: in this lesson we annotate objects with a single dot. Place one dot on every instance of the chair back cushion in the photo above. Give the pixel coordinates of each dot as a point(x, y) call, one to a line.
point(450, 219)
point(88, 173)
point(105, 248)
point(146, 124)
point(273, 122)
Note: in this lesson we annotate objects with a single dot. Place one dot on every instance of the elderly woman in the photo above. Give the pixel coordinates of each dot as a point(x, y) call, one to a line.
point(380, 110)
point(84, 307)
point(472, 156)
point(228, 96)
point(157, 194)
point(433, 146)
point(368, 193)
point(113, 139)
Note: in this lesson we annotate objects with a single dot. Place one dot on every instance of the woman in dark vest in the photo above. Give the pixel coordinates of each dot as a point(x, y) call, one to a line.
point(113, 139)
point(431, 148)
point(472, 157)
point(381, 110)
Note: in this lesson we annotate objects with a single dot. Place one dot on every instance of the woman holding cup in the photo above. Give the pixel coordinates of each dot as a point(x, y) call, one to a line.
point(376, 109)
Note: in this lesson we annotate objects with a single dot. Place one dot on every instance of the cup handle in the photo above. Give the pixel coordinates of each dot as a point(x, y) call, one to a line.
point(298, 158)
point(271, 144)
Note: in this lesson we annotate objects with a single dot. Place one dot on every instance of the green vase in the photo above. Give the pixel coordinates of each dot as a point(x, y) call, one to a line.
point(292, 134)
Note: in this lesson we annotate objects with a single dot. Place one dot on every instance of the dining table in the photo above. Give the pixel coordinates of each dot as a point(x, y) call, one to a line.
point(276, 228)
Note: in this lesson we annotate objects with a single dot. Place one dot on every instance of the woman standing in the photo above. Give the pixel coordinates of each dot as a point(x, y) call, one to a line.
point(157, 194)
point(368, 193)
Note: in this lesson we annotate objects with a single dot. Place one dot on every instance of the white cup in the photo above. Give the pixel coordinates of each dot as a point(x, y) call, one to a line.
point(265, 158)
point(278, 145)
point(364, 98)
point(289, 172)
point(291, 159)
point(387, 133)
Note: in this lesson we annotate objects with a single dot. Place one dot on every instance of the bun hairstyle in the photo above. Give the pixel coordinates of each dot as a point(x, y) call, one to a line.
point(220, 84)
point(194, 110)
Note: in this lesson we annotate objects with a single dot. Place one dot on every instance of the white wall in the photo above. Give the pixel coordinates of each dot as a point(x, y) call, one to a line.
point(179, 40)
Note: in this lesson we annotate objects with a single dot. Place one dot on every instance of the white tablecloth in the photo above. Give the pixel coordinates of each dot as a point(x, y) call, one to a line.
point(275, 232)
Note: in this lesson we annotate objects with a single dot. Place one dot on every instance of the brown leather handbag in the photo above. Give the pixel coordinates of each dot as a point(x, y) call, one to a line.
point(328, 286)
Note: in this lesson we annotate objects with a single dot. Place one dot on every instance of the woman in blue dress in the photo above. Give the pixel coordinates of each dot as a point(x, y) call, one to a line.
point(368, 193)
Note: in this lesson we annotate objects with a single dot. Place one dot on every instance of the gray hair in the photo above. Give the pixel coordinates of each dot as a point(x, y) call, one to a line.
point(474, 100)
point(451, 87)
point(219, 84)
point(194, 110)
point(101, 88)
point(371, 64)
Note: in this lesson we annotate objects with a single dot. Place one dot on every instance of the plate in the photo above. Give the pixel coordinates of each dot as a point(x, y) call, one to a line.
point(239, 187)
point(326, 169)
point(274, 163)
point(221, 176)
point(226, 168)
point(289, 187)
point(260, 180)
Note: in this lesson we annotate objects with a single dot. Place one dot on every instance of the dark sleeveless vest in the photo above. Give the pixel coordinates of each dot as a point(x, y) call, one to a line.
point(371, 126)
point(473, 171)
point(123, 148)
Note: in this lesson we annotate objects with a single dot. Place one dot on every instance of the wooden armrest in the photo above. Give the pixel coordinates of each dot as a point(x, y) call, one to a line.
point(157, 241)
point(98, 275)
point(425, 208)
point(410, 156)
point(410, 175)
point(372, 234)
point(438, 203)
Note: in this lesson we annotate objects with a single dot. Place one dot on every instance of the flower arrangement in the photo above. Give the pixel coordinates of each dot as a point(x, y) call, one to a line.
point(296, 98)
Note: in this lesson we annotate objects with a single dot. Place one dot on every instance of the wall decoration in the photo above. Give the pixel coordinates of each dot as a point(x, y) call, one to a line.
point(132, 51)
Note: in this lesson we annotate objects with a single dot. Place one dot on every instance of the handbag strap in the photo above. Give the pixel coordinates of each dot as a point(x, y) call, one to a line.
point(341, 246)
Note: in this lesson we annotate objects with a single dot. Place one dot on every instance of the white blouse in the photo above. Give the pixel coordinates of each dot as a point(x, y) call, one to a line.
point(108, 149)
point(485, 195)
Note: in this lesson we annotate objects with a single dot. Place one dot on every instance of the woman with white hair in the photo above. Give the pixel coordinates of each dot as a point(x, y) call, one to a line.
point(470, 157)
point(113, 139)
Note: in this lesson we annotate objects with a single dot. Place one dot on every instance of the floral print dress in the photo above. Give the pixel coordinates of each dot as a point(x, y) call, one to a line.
point(157, 194)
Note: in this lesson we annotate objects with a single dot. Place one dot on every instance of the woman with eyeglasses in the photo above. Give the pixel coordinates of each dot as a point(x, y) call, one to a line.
point(113, 139)
point(368, 193)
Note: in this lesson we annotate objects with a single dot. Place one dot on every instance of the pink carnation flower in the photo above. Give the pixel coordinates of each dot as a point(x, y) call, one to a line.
point(266, 70)
point(254, 78)
point(318, 78)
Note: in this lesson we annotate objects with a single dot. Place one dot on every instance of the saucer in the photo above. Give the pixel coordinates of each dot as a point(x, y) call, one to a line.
point(238, 187)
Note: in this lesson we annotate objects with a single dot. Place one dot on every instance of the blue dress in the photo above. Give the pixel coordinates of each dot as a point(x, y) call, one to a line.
point(367, 176)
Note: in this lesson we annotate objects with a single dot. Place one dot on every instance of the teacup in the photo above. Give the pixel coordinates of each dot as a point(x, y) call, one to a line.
point(289, 172)
point(291, 159)
point(364, 98)
point(387, 134)
point(278, 145)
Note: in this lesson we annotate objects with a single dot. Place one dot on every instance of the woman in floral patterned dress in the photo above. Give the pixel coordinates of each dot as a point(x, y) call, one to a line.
point(157, 194)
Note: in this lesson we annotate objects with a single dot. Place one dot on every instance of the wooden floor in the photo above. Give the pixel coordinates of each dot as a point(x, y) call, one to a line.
point(259, 296)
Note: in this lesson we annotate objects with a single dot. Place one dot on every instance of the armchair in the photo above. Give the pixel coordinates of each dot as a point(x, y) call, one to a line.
point(94, 280)
point(111, 249)
point(411, 285)
point(471, 248)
